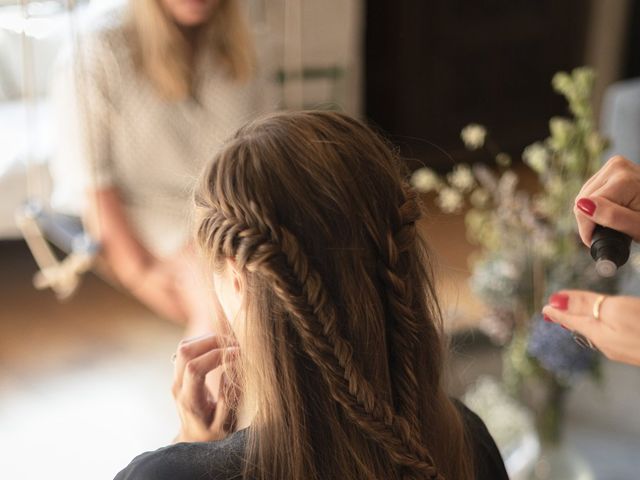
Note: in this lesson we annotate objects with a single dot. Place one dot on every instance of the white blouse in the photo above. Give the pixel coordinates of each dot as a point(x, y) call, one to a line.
point(150, 149)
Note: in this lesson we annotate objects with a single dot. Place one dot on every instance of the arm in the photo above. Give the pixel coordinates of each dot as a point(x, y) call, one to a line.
point(150, 280)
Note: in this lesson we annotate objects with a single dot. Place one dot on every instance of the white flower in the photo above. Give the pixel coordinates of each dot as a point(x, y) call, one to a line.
point(505, 418)
point(503, 159)
point(555, 186)
point(462, 178)
point(563, 83)
point(479, 198)
point(473, 136)
point(425, 180)
point(508, 183)
point(561, 131)
point(449, 200)
point(536, 156)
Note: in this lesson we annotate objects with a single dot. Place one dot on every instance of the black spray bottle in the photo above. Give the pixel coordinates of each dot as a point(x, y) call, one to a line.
point(610, 250)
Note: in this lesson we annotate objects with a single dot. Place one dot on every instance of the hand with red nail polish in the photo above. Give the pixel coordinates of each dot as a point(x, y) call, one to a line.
point(617, 331)
point(610, 198)
point(559, 301)
point(586, 205)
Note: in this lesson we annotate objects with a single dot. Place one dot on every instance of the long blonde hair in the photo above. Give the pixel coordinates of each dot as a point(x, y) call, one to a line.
point(163, 54)
point(342, 354)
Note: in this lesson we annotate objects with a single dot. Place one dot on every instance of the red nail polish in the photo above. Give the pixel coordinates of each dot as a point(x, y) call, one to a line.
point(586, 205)
point(546, 319)
point(559, 301)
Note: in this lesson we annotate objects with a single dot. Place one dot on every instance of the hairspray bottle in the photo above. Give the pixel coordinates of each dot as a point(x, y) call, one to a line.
point(610, 250)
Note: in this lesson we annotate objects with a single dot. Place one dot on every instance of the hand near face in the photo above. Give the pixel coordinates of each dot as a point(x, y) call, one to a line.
point(202, 417)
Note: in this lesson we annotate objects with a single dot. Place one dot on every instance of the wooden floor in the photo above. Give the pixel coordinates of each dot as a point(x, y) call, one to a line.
point(84, 386)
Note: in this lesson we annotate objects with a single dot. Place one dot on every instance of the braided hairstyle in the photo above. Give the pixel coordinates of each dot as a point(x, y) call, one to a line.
point(341, 346)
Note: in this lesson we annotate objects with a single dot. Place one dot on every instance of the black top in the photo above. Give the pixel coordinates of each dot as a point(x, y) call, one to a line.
point(223, 460)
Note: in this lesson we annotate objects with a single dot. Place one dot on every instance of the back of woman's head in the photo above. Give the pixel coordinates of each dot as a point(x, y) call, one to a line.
point(341, 347)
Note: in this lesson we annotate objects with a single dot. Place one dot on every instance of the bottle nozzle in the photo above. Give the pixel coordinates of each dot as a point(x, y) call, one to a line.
point(610, 249)
point(606, 268)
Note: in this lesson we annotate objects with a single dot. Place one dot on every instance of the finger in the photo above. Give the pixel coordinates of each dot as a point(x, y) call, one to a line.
point(600, 178)
point(612, 215)
point(587, 326)
point(189, 349)
point(586, 225)
point(194, 394)
point(225, 415)
point(581, 303)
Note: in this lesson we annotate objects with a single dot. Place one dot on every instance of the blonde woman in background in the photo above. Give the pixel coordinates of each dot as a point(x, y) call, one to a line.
point(160, 85)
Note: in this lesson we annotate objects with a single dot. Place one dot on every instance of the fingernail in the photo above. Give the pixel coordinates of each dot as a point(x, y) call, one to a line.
point(586, 205)
point(559, 301)
point(546, 318)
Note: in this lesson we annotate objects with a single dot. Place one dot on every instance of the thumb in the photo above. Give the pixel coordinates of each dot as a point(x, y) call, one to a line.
point(612, 215)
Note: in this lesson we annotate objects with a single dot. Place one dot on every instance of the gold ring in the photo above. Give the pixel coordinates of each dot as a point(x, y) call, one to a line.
point(597, 305)
point(173, 358)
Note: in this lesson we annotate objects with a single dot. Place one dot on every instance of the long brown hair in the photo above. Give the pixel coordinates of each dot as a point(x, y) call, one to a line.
point(163, 54)
point(342, 352)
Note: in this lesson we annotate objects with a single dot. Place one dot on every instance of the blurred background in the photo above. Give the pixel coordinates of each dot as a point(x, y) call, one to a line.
point(85, 382)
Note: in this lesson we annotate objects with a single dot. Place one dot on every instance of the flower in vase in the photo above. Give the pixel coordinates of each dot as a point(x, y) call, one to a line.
point(473, 136)
point(557, 352)
point(461, 178)
point(498, 325)
point(496, 281)
point(562, 131)
point(503, 159)
point(480, 198)
point(635, 261)
point(506, 419)
point(536, 156)
point(450, 200)
point(425, 180)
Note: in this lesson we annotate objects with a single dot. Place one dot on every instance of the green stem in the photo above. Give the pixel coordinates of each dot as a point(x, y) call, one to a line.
point(549, 418)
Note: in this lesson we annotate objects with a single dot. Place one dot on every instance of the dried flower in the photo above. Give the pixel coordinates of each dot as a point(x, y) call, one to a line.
point(635, 261)
point(503, 159)
point(562, 83)
point(583, 79)
point(425, 180)
point(506, 419)
point(557, 352)
point(555, 185)
point(536, 156)
point(508, 183)
point(473, 136)
point(450, 200)
point(479, 198)
point(461, 178)
point(562, 131)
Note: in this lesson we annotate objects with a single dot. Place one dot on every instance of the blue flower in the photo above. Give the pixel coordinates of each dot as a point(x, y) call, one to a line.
point(556, 351)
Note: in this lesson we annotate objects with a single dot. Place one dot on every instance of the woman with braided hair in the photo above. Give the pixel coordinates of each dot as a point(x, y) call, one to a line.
point(334, 369)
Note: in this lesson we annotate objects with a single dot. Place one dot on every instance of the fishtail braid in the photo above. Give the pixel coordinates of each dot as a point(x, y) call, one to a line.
point(260, 246)
point(393, 269)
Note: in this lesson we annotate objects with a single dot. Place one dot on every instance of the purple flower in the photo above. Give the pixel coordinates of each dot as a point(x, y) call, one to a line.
point(556, 351)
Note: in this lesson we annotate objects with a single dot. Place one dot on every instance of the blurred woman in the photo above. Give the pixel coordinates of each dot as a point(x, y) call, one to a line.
point(610, 198)
point(160, 87)
point(336, 357)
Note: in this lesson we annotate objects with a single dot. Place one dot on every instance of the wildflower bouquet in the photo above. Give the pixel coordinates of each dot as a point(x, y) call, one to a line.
point(528, 245)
